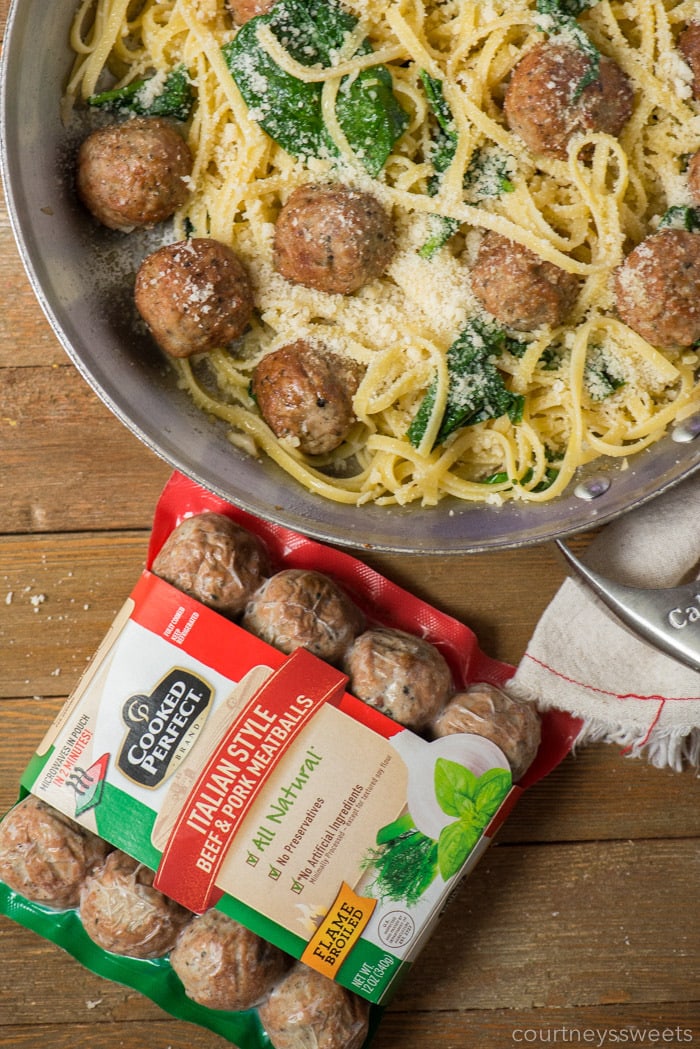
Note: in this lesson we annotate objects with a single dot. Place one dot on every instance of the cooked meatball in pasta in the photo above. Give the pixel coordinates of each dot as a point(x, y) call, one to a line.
point(518, 288)
point(657, 288)
point(550, 98)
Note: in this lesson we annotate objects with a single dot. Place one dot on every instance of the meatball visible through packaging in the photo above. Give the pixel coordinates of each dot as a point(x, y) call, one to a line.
point(487, 711)
point(304, 609)
point(223, 965)
point(122, 912)
point(214, 560)
point(400, 674)
point(307, 1010)
point(45, 856)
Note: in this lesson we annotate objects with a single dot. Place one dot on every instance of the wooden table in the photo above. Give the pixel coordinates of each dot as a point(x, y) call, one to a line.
point(580, 925)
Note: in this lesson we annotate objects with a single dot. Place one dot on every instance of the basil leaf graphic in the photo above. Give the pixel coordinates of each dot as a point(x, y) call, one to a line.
point(454, 787)
point(455, 843)
point(490, 791)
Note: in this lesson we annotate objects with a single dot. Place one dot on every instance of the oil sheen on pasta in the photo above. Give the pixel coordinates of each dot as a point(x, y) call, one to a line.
point(593, 388)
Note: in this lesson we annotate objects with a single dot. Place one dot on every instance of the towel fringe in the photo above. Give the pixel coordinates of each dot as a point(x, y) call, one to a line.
point(672, 750)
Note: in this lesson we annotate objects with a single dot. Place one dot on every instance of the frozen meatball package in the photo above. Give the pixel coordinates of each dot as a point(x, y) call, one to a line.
point(189, 825)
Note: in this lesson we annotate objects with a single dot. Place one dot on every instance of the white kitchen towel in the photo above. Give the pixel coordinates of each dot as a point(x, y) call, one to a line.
point(583, 660)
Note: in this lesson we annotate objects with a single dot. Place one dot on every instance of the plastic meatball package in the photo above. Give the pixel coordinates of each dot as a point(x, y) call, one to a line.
point(268, 783)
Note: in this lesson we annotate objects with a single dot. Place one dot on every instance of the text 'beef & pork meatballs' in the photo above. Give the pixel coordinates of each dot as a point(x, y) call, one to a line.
point(546, 106)
point(487, 711)
point(44, 855)
point(134, 174)
point(332, 238)
point(301, 608)
point(223, 965)
point(243, 10)
point(400, 674)
point(194, 295)
point(519, 288)
point(657, 289)
point(305, 393)
point(214, 560)
point(122, 912)
point(308, 1010)
point(689, 47)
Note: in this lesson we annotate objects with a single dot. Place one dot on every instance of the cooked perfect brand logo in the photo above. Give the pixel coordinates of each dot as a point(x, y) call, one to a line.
point(163, 726)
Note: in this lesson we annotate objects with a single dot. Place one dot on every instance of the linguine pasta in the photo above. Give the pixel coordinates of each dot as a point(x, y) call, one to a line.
point(592, 388)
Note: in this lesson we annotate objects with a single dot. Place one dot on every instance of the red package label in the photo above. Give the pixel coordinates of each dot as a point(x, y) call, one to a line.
point(234, 776)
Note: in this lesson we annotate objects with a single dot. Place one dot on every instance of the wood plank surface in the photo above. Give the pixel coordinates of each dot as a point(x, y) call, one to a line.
point(579, 925)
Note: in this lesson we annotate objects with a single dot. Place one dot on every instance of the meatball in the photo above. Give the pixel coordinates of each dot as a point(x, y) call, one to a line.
point(307, 1009)
point(657, 289)
point(332, 238)
point(487, 711)
point(194, 295)
point(689, 47)
point(243, 10)
point(305, 393)
point(134, 174)
point(402, 675)
point(519, 288)
point(214, 560)
point(544, 107)
point(44, 855)
point(223, 965)
point(694, 178)
point(300, 608)
point(122, 912)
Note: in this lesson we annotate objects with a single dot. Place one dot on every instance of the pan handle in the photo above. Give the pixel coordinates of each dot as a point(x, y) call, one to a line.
point(669, 619)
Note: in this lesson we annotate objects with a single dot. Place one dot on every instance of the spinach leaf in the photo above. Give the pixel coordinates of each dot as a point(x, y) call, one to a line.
point(552, 357)
point(560, 16)
point(488, 174)
point(602, 374)
point(476, 388)
point(592, 53)
point(443, 148)
point(680, 216)
point(444, 229)
point(170, 97)
point(371, 118)
point(443, 114)
point(289, 110)
point(563, 9)
point(550, 476)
